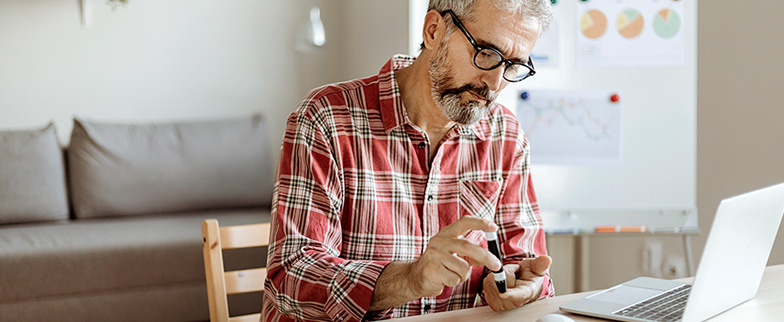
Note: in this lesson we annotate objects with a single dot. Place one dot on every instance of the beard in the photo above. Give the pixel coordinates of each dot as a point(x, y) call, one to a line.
point(447, 95)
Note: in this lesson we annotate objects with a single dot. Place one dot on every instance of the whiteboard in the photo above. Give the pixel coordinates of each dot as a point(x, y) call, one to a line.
point(659, 146)
point(657, 172)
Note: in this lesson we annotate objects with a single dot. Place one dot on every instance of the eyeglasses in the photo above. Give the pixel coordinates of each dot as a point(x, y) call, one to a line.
point(487, 58)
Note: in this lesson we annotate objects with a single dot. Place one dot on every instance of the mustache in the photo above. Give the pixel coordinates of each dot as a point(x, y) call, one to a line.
point(482, 91)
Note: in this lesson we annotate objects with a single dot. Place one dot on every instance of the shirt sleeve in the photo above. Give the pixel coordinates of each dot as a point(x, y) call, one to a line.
point(306, 277)
point(518, 218)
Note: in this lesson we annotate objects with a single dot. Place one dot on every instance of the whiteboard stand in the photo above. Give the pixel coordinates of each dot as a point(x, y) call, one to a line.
point(582, 224)
point(689, 255)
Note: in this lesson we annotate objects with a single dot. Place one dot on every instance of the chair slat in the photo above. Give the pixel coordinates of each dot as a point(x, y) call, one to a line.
point(245, 236)
point(244, 281)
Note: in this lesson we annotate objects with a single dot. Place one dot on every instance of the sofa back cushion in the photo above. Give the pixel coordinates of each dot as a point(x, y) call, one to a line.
point(122, 169)
point(32, 177)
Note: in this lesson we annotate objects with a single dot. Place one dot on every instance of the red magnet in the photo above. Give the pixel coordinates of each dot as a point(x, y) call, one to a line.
point(615, 98)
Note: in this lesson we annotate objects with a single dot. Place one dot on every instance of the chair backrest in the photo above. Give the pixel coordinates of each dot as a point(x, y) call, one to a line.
point(221, 283)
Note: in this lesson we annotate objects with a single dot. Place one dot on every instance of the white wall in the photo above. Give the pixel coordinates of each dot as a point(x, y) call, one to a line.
point(740, 110)
point(375, 30)
point(164, 60)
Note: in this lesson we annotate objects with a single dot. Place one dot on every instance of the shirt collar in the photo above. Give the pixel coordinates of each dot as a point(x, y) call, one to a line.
point(393, 113)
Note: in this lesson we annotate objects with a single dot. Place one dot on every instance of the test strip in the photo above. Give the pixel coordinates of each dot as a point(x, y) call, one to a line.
point(494, 247)
point(621, 229)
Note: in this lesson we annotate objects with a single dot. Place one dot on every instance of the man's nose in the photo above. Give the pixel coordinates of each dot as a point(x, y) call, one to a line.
point(494, 78)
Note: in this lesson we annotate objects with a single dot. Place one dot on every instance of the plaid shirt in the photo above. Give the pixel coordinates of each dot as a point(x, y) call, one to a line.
point(355, 190)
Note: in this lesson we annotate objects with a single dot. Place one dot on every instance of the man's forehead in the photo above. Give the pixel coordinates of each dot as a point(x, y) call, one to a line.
point(511, 33)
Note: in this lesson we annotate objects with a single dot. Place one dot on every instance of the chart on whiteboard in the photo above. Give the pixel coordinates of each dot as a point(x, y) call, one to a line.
point(579, 127)
point(630, 33)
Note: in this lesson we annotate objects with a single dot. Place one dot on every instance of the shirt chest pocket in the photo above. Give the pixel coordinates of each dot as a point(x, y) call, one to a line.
point(479, 198)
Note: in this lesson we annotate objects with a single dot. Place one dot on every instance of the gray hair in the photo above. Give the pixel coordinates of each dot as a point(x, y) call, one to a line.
point(540, 10)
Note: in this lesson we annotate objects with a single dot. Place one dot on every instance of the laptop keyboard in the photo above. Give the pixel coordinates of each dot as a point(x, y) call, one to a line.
point(665, 307)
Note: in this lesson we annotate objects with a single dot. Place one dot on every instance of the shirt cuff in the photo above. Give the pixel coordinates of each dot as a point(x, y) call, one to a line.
point(351, 291)
point(548, 290)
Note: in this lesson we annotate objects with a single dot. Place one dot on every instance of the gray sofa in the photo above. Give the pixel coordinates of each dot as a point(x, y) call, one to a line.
point(109, 228)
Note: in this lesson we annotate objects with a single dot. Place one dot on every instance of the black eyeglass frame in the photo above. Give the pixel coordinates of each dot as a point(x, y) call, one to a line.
point(479, 48)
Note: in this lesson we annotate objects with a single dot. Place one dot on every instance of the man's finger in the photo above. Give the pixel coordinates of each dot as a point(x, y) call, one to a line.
point(530, 268)
point(523, 291)
point(459, 267)
point(541, 264)
point(474, 253)
point(466, 224)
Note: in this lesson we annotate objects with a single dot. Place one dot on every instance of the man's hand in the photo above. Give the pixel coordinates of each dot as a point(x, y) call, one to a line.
point(447, 261)
point(524, 284)
point(448, 258)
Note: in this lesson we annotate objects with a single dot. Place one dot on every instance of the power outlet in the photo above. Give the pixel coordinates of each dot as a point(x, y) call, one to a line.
point(674, 267)
point(652, 258)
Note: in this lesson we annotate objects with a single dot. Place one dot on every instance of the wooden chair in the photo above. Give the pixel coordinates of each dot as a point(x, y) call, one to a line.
point(221, 283)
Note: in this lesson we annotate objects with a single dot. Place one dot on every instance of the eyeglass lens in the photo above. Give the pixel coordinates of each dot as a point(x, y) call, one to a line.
point(488, 59)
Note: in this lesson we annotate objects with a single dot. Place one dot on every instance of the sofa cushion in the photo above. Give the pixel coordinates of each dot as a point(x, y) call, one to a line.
point(32, 178)
point(180, 302)
point(118, 170)
point(94, 256)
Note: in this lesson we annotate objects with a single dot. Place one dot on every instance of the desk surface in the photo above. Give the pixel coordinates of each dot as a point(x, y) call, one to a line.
point(767, 305)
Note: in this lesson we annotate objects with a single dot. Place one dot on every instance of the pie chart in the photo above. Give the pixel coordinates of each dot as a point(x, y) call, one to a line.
point(666, 23)
point(593, 24)
point(630, 23)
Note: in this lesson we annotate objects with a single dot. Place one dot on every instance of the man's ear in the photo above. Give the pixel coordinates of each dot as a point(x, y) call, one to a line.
point(433, 29)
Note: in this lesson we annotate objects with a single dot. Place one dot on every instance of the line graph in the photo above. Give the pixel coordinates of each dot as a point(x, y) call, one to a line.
point(574, 114)
point(572, 127)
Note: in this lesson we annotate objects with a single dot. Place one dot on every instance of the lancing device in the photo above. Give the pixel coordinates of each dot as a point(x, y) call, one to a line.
point(499, 276)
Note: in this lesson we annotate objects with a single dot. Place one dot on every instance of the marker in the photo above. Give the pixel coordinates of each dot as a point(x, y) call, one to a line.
point(499, 276)
point(666, 230)
point(621, 229)
point(562, 231)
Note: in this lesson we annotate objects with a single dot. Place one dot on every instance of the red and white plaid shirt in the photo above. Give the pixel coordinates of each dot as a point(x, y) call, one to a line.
point(355, 190)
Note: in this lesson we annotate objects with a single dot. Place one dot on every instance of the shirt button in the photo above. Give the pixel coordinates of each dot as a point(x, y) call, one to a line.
point(429, 197)
point(422, 145)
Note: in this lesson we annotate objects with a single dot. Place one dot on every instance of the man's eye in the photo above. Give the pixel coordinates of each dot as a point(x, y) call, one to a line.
point(489, 56)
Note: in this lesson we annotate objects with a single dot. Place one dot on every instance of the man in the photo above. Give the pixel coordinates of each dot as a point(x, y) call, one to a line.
point(386, 184)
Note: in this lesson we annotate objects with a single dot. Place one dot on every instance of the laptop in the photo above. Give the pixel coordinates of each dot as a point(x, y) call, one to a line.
point(729, 272)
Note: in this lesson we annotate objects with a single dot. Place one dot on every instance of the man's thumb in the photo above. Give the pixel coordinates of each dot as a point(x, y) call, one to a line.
point(541, 264)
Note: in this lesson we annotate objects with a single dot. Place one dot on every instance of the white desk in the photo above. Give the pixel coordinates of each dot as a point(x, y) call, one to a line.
point(767, 305)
